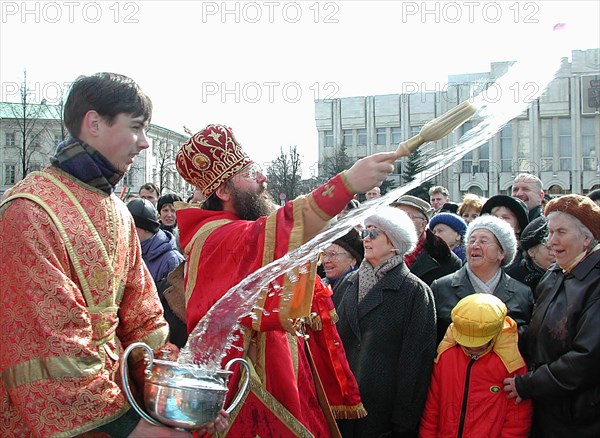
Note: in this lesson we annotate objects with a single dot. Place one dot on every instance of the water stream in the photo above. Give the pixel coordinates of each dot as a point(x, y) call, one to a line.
point(524, 82)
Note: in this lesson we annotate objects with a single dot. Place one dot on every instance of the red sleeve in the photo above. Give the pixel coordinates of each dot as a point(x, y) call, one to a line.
point(430, 420)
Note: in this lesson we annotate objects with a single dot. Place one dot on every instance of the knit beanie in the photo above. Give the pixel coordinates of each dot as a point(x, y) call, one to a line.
point(397, 226)
point(454, 221)
point(170, 198)
point(352, 243)
point(534, 233)
point(581, 207)
point(144, 215)
point(501, 230)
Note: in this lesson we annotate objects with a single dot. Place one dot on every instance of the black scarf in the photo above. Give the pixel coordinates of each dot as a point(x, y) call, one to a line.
point(85, 163)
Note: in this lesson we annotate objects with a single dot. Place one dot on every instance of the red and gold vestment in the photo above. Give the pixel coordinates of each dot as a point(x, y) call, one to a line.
point(74, 292)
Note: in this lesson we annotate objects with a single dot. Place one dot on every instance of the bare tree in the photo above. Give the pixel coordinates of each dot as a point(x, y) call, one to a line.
point(284, 174)
point(31, 120)
point(165, 161)
point(336, 163)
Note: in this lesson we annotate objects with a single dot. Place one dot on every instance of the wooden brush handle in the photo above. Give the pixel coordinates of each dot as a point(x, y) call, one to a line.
point(437, 128)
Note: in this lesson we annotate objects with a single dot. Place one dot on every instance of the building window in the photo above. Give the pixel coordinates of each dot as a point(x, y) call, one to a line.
point(484, 158)
point(506, 145)
point(396, 135)
point(348, 137)
point(467, 163)
point(329, 139)
point(414, 130)
point(547, 141)
point(588, 144)
point(381, 136)
point(35, 167)
point(362, 137)
point(9, 139)
point(564, 143)
point(9, 174)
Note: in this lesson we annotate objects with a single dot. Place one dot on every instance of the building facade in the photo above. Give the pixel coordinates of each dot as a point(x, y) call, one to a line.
point(557, 138)
point(30, 133)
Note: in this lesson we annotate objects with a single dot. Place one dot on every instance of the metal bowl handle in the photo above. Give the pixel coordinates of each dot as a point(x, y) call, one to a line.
point(125, 379)
point(242, 390)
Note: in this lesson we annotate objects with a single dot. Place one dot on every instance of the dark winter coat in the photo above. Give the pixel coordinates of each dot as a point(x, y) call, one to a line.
point(436, 260)
point(389, 338)
point(161, 255)
point(528, 273)
point(449, 290)
point(563, 344)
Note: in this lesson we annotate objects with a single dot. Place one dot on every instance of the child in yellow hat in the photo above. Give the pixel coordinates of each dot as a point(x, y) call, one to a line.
point(477, 353)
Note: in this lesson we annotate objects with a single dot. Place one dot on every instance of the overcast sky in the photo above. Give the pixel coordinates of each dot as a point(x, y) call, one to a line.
point(258, 66)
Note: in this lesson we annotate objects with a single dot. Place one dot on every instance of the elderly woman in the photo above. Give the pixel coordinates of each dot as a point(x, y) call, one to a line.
point(451, 228)
point(343, 256)
point(563, 339)
point(387, 327)
point(491, 245)
point(537, 255)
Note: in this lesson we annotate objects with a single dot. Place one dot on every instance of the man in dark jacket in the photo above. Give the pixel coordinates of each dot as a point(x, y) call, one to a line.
point(432, 258)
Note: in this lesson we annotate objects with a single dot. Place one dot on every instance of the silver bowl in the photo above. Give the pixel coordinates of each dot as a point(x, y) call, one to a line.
point(183, 397)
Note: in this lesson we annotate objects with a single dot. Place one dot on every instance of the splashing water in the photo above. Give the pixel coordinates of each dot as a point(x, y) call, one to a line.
point(216, 332)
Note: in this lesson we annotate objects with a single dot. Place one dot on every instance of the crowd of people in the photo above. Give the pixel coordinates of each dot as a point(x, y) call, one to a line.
point(431, 318)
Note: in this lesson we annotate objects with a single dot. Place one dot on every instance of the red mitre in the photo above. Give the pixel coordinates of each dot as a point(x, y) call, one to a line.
point(210, 158)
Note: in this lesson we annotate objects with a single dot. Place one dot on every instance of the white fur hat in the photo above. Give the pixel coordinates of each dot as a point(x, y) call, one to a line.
point(501, 230)
point(397, 226)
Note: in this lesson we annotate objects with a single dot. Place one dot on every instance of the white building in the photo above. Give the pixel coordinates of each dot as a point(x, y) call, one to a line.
point(43, 131)
point(557, 138)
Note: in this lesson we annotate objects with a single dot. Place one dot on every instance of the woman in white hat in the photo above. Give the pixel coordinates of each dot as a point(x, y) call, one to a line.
point(491, 245)
point(387, 326)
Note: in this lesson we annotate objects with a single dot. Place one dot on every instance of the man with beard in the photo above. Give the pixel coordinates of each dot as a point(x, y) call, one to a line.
point(234, 233)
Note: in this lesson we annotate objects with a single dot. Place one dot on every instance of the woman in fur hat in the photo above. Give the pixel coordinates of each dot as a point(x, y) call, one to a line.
point(387, 326)
point(491, 245)
point(343, 256)
point(563, 339)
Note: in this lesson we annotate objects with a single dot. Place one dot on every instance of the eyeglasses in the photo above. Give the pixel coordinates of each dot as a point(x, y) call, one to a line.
point(251, 172)
point(333, 255)
point(371, 233)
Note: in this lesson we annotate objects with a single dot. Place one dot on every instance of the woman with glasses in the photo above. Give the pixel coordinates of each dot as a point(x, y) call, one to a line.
point(343, 256)
point(387, 326)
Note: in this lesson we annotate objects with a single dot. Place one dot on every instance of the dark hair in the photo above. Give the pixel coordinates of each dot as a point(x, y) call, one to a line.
point(213, 202)
point(594, 195)
point(151, 187)
point(109, 94)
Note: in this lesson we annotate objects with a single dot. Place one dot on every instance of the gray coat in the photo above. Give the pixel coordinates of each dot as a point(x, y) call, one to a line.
point(449, 290)
point(389, 338)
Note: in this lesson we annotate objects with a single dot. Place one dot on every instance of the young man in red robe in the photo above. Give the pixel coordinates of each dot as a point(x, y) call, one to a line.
point(236, 232)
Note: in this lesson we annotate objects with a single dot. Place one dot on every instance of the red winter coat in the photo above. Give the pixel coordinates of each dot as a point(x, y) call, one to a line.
point(486, 412)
